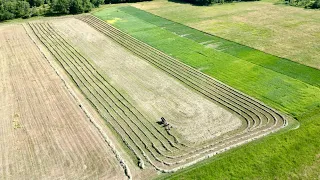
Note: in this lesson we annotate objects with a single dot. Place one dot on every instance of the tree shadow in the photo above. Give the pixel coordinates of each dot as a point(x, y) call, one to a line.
point(186, 2)
point(179, 1)
point(51, 14)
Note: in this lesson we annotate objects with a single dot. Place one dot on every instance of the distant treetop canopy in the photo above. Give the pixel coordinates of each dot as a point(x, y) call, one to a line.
point(10, 9)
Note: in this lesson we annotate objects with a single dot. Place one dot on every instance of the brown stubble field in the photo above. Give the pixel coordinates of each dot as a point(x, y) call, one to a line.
point(44, 133)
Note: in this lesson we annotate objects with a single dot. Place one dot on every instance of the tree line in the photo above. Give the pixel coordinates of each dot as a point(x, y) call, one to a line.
point(301, 3)
point(313, 4)
point(10, 9)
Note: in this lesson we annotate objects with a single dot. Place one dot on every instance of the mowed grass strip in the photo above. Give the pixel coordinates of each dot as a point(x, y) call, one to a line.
point(284, 66)
point(280, 30)
point(278, 90)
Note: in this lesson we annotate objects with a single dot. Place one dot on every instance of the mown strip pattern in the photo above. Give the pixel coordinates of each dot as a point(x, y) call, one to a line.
point(276, 89)
point(259, 118)
point(103, 96)
point(292, 69)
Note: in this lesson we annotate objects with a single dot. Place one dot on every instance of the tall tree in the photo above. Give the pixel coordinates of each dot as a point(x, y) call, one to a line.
point(60, 6)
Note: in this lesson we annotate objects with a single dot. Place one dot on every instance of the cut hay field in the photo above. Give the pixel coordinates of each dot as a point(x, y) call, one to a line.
point(150, 89)
point(44, 134)
point(280, 83)
point(132, 89)
point(126, 94)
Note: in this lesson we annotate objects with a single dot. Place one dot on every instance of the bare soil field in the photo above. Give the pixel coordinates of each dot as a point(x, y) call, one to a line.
point(44, 134)
point(132, 89)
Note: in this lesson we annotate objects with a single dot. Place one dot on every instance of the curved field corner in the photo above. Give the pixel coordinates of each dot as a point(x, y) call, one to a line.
point(283, 155)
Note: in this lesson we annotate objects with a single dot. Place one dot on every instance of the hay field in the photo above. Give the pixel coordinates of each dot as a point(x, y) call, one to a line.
point(194, 117)
point(290, 87)
point(44, 134)
point(132, 87)
point(57, 72)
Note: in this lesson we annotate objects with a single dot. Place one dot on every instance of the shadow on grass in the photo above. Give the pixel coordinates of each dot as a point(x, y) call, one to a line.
point(50, 14)
point(179, 1)
point(186, 2)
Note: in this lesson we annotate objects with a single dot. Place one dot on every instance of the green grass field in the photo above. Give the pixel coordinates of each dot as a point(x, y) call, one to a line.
point(274, 63)
point(281, 30)
point(287, 86)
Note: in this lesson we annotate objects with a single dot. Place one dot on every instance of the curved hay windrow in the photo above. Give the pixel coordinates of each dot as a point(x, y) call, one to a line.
point(165, 150)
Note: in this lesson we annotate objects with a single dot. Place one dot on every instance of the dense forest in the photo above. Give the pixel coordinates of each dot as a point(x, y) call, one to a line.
point(10, 9)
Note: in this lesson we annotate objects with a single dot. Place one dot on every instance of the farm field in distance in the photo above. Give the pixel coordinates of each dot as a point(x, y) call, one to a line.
point(141, 91)
point(284, 31)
